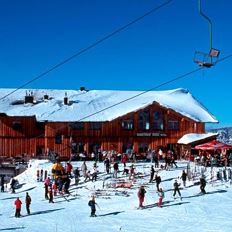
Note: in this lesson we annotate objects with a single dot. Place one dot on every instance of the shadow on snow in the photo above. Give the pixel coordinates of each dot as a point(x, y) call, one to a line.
point(208, 193)
point(13, 228)
point(175, 204)
point(113, 213)
point(43, 212)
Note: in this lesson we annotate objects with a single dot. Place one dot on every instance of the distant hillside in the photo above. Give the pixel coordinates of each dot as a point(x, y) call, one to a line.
point(224, 134)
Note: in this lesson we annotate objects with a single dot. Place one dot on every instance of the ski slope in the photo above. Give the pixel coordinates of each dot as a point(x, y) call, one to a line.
point(118, 207)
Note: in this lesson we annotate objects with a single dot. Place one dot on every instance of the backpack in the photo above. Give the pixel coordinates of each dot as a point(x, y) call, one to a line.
point(90, 203)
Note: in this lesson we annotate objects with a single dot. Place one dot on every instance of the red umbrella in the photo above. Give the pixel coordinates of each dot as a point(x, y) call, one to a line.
point(213, 145)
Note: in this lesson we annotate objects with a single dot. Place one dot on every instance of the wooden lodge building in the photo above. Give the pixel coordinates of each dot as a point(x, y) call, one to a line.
point(34, 122)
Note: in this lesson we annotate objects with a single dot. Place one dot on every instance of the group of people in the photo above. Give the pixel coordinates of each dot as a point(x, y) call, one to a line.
point(61, 182)
point(18, 205)
point(176, 187)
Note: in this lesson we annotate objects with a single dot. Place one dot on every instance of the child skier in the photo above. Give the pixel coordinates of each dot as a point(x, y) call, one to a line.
point(184, 177)
point(92, 203)
point(152, 173)
point(141, 196)
point(202, 184)
point(50, 193)
point(176, 186)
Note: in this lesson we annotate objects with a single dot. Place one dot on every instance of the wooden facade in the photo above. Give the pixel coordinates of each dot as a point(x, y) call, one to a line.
point(151, 127)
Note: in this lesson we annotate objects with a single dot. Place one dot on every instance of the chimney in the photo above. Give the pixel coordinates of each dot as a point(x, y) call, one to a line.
point(29, 98)
point(65, 99)
point(82, 88)
point(46, 97)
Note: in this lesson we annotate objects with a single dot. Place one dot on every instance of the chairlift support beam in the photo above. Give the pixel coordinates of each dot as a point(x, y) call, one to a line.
point(210, 24)
point(207, 59)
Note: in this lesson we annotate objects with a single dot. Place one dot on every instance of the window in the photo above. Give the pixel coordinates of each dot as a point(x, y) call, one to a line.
point(17, 126)
point(94, 148)
point(77, 147)
point(157, 120)
point(143, 147)
point(95, 125)
point(58, 138)
point(128, 124)
point(73, 147)
point(127, 148)
point(173, 124)
point(80, 147)
point(143, 121)
point(77, 125)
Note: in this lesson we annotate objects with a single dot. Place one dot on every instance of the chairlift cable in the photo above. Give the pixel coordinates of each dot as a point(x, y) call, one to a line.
point(93, 45)
point(156, 87)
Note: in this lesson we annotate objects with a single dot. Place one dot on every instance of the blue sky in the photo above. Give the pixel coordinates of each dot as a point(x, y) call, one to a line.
point(35, 35)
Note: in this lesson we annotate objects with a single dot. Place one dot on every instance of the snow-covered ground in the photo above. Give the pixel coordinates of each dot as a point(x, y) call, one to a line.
point(118, 210)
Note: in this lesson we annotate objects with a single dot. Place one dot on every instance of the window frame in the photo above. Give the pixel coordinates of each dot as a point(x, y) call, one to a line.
point(77, 125)
point(127, 124)
point(95, 125)
point(159, 121)
point(145, 121)
point(173, 124)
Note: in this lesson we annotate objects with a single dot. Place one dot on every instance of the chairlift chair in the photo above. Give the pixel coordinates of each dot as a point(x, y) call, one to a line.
point(206, 60)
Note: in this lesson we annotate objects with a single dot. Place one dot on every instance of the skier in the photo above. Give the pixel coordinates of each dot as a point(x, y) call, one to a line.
point(141, 196)
point(28, 202)
point(12, 184)
point(115, 169)
point(76, 173)
point(87, 176)
point(152, 173)
point(92, 203)
point(94, 174)
point(161, 197)
point(107, 165)
point(156, 159)
point(46, 185)
point(202, 184)
point(176, 186)
point(55, 188)
point(124, 159)
point(84, 169)
point(50, 194)
point(184, 177)
point(158, 181)
point(66, 185)
point(68, 169)
point(18, 204)
point(132, 172)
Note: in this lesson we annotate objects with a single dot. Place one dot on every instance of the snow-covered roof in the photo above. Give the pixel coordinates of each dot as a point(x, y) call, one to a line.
point(193, 137)
point(95, 105)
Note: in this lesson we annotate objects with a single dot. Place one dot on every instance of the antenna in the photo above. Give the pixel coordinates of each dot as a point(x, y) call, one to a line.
point(207, 59)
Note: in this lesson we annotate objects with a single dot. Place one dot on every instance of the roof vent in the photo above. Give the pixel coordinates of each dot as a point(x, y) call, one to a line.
point(29, 98)
point(66, 99)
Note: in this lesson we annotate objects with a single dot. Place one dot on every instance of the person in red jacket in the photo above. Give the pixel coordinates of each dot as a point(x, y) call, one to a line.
point(124, 159)
point(161, 197)
point(69, 169)
point(18, 204)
